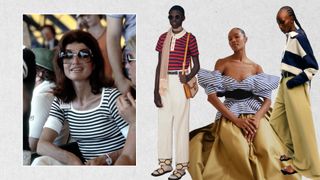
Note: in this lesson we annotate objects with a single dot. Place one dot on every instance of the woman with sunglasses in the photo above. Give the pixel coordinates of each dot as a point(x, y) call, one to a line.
point(241, 144)
point(87, 101)
point(169, 95)
point(292, 117)
point(127, 108)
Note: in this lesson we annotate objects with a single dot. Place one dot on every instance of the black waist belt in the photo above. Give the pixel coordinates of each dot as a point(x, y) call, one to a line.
point(286, 74)
point(236, 94)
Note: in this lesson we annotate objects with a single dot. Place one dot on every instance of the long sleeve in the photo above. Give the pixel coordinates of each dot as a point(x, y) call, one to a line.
point(299, 60)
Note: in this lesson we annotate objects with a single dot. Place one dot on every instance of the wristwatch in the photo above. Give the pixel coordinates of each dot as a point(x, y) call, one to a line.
point(108, 160)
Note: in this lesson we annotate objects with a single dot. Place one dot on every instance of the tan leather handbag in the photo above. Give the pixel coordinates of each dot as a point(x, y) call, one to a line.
point(191, 87)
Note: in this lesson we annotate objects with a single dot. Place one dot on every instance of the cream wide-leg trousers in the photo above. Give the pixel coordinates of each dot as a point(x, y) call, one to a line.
point(292, 121)
point(173, 122)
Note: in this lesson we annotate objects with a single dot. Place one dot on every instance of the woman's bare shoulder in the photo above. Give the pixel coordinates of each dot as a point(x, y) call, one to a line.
point(222, 63)
point(257, 68)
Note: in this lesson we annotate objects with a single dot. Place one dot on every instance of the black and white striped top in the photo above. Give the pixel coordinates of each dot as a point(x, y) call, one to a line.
point(97, 130)
point(261, 85)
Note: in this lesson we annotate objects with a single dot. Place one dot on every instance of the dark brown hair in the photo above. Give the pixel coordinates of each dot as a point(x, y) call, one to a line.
point(53, 31)
point(64, 88)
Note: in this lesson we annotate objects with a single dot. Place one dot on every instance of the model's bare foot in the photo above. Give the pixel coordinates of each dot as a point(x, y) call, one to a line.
point(288, 170)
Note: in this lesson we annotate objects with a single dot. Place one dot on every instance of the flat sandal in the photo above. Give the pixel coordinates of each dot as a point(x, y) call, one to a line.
point(176, 175)
point(160, 171)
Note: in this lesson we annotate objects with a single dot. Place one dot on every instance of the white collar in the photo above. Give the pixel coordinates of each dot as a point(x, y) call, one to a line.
point(180, 34)
point(292, 34)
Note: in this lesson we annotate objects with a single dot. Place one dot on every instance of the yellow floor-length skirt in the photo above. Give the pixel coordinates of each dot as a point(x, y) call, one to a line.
point(221, 152)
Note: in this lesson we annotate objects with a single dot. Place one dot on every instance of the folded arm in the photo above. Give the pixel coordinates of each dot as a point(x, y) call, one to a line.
point(46, 147)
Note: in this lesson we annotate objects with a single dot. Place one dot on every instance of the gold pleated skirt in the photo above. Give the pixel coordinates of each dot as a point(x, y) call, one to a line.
point(221, 152)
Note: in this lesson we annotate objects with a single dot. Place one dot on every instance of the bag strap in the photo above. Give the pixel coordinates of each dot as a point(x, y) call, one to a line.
point(185, 55)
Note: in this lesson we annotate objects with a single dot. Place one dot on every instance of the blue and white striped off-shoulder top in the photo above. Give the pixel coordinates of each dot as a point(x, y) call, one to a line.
point(261, 85)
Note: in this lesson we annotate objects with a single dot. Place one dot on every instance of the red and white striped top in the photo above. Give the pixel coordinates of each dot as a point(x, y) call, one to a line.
point(178, 44)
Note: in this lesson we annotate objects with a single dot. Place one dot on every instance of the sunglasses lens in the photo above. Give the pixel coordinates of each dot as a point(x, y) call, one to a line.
point(84, 54)
point(61, 55)
point(68, 55)
point(177, 17)
point(130, 58)
point(65, 55)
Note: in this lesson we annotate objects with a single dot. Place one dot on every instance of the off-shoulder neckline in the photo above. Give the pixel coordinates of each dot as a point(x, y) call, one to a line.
point(239, 81)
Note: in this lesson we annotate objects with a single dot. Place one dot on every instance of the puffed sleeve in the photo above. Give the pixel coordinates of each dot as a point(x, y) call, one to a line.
point(264, 84)
point(211, 81)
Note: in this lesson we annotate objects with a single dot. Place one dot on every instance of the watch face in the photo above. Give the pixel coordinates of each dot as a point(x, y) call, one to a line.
point(108, 160)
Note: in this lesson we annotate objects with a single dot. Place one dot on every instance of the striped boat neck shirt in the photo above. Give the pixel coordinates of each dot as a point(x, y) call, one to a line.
point(261, 85)
point(178, 44)
point(97, 131)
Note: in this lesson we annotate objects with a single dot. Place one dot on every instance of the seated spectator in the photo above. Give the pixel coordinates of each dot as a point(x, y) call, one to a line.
point(127, 109)
point(87, 101)
point(29, 74)
point(49, 35)
point(120, 25)
point(42, 99)
point(92, 24)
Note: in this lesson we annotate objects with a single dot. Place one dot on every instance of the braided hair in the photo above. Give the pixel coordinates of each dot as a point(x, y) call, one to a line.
point(291, 14)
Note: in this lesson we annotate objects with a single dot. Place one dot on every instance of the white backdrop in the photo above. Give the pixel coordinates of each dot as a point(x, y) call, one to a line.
point(208, 20)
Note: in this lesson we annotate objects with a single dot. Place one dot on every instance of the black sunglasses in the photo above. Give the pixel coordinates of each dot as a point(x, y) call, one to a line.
point(130, 58)
point(83, 54)
point(177, 17)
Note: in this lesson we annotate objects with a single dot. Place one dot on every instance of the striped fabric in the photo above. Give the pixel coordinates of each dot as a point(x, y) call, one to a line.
point(97, 131)
point(260, 85)
point(176, 55)
point(298, 58)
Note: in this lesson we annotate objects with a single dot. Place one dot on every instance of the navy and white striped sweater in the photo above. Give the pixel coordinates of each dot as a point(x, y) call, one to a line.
point(298, 58)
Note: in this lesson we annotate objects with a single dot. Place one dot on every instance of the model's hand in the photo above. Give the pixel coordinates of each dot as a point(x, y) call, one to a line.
point(127, 108)
point(157, 99)
point(291, 84)
point(123, 84)
point(183, 78)
point(245, 125)
point(101, 160)
point(249, 137)
point(255, 121)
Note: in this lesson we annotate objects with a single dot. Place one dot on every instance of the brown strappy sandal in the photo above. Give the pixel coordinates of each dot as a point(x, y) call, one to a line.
point(179, 171)
point(284, 158)
point(162, 169)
